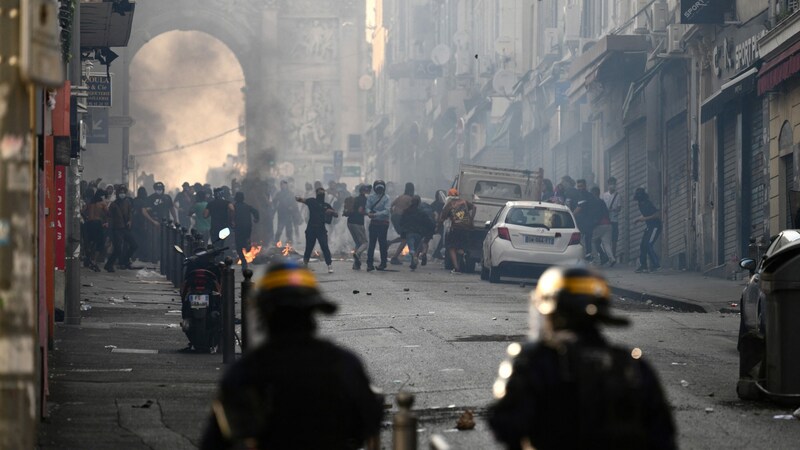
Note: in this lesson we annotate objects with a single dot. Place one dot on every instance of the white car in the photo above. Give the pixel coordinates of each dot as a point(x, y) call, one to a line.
point(525, 238)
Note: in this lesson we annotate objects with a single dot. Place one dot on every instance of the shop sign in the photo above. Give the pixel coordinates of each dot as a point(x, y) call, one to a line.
point(737, 50)
point(705, 11)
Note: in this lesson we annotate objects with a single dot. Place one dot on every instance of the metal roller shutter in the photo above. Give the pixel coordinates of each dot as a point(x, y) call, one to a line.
point(617, 169)
point(729, 189)
point(677, 186)
point(637, 177)
point(758, 183)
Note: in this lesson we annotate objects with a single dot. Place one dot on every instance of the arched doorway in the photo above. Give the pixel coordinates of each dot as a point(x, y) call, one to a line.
point(186, 98)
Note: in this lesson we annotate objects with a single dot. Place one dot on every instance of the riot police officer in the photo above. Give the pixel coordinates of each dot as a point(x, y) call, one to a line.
point(295, 390)
point(569, 388)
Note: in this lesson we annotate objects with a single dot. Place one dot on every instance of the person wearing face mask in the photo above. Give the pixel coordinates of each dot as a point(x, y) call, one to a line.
point(121, 215)
point(161, 206)
point(319, 214)
point(378, 212)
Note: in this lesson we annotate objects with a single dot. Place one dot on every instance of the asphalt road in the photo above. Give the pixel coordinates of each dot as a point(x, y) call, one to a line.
point(437, 335)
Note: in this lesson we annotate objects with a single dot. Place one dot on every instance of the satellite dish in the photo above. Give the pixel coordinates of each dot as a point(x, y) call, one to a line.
point(440, 54)
point(504, 45)
point(365, 82)
point(504, 81)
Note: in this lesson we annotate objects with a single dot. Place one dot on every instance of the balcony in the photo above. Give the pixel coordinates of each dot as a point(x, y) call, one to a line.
point(106, 23)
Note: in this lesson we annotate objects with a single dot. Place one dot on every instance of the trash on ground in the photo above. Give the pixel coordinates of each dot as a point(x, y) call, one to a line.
point(85, 306)
point(116, 300)
point(144, 273)
point(784, 417)
point(709, 410)
point(88, 285)
point(146, 404)
point(110, 346)
point(356, 292)
point(684, 383)
point(734, 305)
point(466, 421)
point(369, 293)
point(494, 318)
point(173, 325)
point(406, 289)
point(678, 364)
point(125, 297)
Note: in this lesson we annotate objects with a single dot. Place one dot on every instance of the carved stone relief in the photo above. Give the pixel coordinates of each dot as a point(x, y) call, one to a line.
point(310, 40)
point(310, 116)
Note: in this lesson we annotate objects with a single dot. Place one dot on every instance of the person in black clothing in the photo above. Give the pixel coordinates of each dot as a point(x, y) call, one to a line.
point(652, 219)
point(244, 216)
point(120, 220)
point(294, 391)
point(221, 212)
point(418, 225)
point(572, 389)
point(286, 208)
point(161, 206)
point(319, 214)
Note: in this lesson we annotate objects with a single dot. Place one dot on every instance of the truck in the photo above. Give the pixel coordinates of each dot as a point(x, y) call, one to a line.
point(489, 188)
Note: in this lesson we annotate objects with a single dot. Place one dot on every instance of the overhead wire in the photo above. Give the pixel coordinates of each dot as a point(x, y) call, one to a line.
point(185, 146)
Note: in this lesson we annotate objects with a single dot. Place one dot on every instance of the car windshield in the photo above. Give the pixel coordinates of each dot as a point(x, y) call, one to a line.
point(539, 217)
point(494, 189)
point(784, 239)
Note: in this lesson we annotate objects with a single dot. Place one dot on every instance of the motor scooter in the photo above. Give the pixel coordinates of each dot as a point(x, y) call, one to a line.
point(201, 298)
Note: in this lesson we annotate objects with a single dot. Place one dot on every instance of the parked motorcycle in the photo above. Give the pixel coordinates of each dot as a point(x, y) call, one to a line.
point(201, 296)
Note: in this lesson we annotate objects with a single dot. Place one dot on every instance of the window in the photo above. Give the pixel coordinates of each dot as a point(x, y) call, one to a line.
point(494, 189)
point(540, 217)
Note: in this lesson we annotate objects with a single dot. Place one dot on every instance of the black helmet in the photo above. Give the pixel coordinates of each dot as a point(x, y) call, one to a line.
point(572, 297)
point(379, 185)
point(158, 185)
point(288, 285)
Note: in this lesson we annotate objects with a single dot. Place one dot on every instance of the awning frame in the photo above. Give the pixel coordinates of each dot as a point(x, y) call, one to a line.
point(740, 84)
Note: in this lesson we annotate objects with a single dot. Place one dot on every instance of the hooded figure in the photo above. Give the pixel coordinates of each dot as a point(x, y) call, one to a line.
point(293, 375)
point(378, 211)
point(568, 387)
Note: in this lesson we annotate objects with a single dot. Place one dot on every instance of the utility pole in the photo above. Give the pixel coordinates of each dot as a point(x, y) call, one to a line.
point(72, 297)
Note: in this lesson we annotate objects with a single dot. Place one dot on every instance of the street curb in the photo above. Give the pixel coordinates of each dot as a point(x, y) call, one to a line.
point(676, 303)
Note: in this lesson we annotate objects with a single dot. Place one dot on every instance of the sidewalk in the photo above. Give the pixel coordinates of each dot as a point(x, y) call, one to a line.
point(119, 380)
point(688, 291)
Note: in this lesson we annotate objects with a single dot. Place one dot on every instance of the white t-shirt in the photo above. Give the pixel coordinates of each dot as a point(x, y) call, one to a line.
point(613, 204)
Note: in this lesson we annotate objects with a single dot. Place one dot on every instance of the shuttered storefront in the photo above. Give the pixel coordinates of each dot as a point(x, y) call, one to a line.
point(637, 177)
point(758, 180)
point(617, 168)
point(677, 186)
point(728, 167)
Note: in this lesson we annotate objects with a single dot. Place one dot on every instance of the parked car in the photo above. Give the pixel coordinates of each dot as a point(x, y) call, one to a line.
point(526, 237)
point(752, 325)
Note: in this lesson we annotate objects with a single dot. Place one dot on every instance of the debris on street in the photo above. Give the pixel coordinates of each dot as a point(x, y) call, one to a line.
point(466, 421)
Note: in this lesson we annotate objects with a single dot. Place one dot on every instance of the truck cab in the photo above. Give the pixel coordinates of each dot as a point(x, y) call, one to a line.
point(489, 188)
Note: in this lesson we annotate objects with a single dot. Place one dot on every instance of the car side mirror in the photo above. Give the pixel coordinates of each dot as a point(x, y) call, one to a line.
point(178, 249)
point(224, 233)
point(748, 264)
point(487, 224)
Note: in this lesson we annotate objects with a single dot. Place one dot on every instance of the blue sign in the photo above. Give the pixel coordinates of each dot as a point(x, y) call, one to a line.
point(99, 92)
point(98, 126)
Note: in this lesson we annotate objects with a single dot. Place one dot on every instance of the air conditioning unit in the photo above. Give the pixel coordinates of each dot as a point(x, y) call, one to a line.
point(552, 42)
point(675, 38)
point(642, 19)
point(660, 13)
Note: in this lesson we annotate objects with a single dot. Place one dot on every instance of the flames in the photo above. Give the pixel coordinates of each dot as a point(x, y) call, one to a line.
point(405, 251)
point(287, 248)
point(250, 255)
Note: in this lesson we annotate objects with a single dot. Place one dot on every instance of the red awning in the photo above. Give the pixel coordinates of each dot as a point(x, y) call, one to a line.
point(779, 69)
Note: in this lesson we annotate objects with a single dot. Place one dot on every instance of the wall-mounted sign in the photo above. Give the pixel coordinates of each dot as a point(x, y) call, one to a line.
point(99, 93)
point(705, 11)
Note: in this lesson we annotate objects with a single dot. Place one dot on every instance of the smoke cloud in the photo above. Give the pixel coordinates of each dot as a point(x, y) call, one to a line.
point(185, 87)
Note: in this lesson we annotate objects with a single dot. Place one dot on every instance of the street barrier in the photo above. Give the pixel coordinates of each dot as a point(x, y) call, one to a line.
point(404, 433)
point(228, 312)
point(247, 287)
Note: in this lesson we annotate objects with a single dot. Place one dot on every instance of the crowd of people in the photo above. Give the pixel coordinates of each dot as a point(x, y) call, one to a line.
point(117, 228)
point(597, 216)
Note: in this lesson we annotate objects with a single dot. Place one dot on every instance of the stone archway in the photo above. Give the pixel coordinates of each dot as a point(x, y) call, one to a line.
point(301, 61)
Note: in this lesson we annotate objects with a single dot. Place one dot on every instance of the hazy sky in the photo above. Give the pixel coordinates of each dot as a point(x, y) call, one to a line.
point(185, 87)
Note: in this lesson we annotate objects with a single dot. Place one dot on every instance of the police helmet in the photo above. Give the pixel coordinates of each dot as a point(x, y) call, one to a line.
point(288, 285)
point(573, 296)
point(158, 185)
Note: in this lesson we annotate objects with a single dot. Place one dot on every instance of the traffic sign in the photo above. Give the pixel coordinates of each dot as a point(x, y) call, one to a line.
point(99, 90)
point(338, 159)
point(98, 126)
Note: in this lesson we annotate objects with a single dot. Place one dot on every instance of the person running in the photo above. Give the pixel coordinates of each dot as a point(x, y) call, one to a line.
point(461, 214)
point(378, 212)
point(220, 211)
point(244, 216)
point(161, 206)
point(651, 217)
point(95, 215)
point(417, 224)
point(399, 206)
point(320, 213)
point(355, 224)
point(614, 205)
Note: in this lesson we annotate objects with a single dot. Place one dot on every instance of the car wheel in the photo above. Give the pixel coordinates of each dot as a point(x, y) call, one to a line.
point(484, 273)
point(494, 275)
